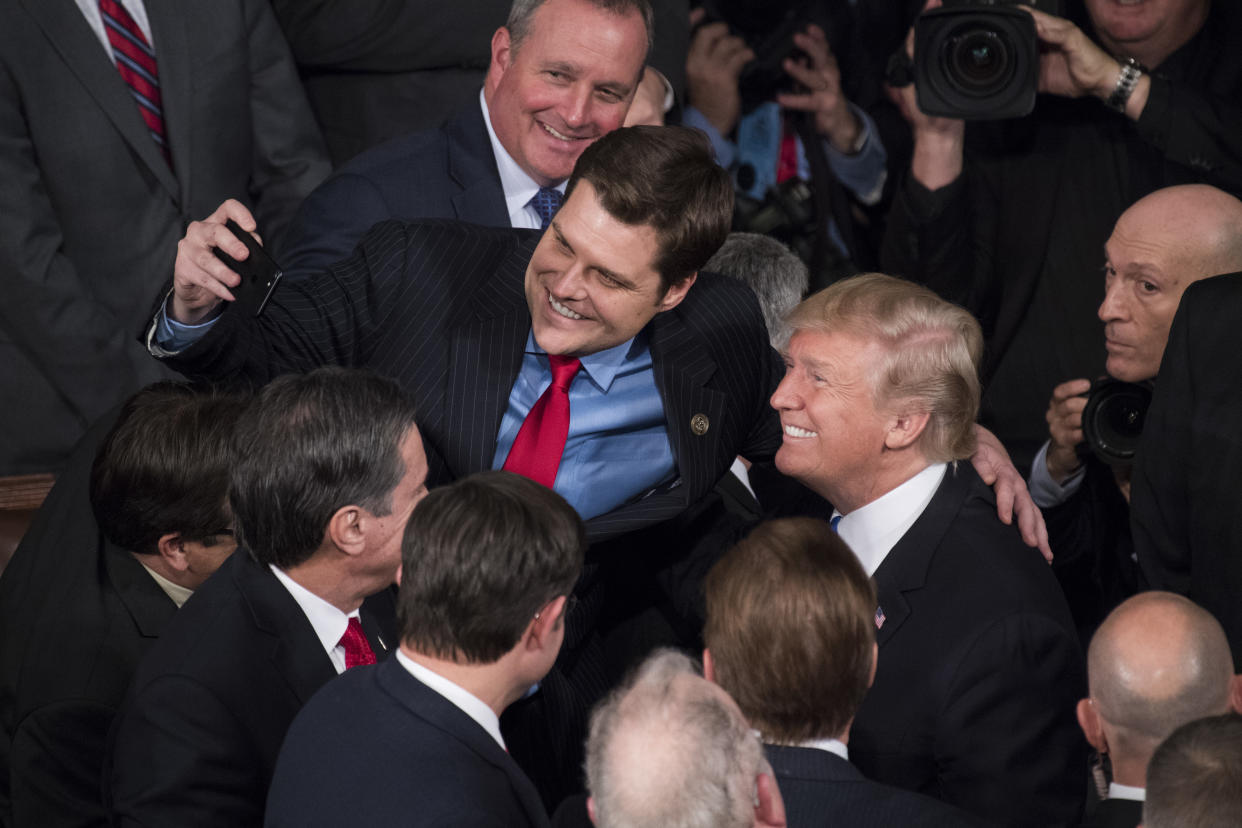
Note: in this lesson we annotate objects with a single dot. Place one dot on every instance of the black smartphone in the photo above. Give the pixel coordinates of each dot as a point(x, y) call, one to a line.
point(259, 273)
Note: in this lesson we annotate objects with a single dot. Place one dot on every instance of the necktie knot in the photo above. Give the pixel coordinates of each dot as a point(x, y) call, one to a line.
point(546, 202)
point(563, 370)
point(357, 650)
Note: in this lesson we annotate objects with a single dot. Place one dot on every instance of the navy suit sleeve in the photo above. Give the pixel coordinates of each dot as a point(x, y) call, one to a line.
point(332, 221)
point(181, 758)
point(1008, 724)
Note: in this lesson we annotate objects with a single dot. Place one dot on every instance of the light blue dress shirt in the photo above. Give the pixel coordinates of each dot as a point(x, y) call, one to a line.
point(618, 442)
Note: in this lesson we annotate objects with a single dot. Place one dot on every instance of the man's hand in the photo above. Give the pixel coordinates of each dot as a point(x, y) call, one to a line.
point(938, 142)
point(992, 463)
point(1065, 428)
point(824, 99)
point(647, 108)
point(713, 65)
point(200, 280)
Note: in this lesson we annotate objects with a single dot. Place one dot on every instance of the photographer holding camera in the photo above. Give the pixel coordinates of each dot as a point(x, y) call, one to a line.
point(763, 82)
point(1162, 244)
point(1008, 217)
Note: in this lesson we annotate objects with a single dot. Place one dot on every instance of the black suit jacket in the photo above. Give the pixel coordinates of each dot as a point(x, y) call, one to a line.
point(196, 740)
point(979, 668)
point(90, 212)
point(1188, 468)
point(448, 172)
point(820, 789)
point(1116, 813)
point(377, 747)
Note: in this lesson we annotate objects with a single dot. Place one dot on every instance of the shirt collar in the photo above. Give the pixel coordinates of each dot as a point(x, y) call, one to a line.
point(831, 745)
point(178, 593)
point(1119, 791)
point(519, 188)
point(463, 699)
point(328, 622)
point(873, 530)
point(603, 366)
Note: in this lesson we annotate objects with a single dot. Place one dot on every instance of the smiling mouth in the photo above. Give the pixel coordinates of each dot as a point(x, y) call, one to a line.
point(563, 310)
point(794, 431)
point(560, 136)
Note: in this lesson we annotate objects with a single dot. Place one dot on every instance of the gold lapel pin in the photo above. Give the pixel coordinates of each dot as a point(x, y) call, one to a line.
point(699, 424)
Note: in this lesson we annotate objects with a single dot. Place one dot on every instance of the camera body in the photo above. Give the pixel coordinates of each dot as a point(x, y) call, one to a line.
point(978, 59)
point(1113, 420)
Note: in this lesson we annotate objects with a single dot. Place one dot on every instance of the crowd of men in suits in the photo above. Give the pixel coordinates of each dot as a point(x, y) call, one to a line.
point(447, 545)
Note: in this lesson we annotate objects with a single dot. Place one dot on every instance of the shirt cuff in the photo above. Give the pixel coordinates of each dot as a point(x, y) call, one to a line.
point(168, 336)
point(1045, 491)
point(864, 171)
point(725, 149)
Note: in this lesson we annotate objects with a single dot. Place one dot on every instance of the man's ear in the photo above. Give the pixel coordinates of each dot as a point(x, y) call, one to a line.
point(875, 662)
point(502, 54)
point(905, 430)
point(709, 668)
point(347, 529)
point(769, 807)
point(545, 623)
point(172, 550)
point(1235, 694)
point(1092, 726)
point(591, 810)
point(675, 293)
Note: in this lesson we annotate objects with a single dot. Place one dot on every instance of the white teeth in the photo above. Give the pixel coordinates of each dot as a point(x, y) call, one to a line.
point(794, 431)
point(562, 310)
point(556, 134)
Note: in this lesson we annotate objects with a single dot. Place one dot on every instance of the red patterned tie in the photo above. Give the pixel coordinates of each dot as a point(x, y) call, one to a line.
point(540, 442)
point(135, 60)
point(357, 650)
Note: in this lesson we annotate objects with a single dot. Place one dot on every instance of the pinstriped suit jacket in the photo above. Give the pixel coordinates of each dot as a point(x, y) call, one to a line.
point(439, 305)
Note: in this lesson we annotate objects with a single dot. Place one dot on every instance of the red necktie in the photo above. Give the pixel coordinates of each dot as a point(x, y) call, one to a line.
point(357, 650)
point(540, 442)
point(135, 60)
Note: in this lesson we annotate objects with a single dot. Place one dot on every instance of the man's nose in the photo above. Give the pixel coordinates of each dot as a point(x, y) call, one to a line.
point(577, 110)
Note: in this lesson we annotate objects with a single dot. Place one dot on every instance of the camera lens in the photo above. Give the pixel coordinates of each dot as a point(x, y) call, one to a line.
point(978, 60)
point(1112, 421)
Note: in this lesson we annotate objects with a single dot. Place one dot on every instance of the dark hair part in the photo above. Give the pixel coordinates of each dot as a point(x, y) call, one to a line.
point(664, 177)
point(479, 558)
point(1194, 779)
point(164, 467)
point(522, 13)
point(310, 444)
point(790, 626)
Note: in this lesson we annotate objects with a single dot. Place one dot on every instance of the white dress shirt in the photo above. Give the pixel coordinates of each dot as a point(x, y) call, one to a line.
point(90, 10)
point(176, 592)
point(467, 702)
point(1118, 791)
point(873, 530)
point(519, 187)
point(831, 745)
point(328, 621)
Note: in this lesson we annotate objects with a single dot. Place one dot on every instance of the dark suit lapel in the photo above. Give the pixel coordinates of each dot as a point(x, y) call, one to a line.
point(904, 570)
point(283, 630)
point(173, 49)
point(75, 43)
point(487, 341)
point(472, 166)
point(146, 602)
point(423, 702)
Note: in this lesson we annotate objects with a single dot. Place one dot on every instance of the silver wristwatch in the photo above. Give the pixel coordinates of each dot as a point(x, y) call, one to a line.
point(1131, 70)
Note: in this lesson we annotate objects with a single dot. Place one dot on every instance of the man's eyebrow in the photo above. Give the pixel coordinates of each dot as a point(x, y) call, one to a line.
point(562, 66)
point(560, 237)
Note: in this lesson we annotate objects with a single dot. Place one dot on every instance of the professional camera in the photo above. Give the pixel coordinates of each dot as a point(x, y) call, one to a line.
point(1113, 420)
point(978, 59)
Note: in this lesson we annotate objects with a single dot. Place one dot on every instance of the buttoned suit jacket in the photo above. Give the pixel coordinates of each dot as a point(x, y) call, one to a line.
point(90, 212)
point(377, 747)
point(196, 740)
point(820, 789)
point(448, 172)
point(979, 668)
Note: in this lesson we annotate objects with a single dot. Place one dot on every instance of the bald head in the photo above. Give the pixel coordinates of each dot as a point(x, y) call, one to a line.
point(1159, 246)
point(671, 748)
point(1157, 662)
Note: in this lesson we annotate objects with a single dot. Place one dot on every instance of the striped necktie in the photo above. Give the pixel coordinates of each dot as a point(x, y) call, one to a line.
point(135, 60)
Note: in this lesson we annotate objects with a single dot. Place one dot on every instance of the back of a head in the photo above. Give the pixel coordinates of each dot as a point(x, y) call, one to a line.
point(932, 351)
point(668, 749)
point(791, 628)
point(479, 558)
point(310, 444)
point(773, 271)
point(667, 178)
point(1195, 776)
point(1157, 662)
point(164, 467)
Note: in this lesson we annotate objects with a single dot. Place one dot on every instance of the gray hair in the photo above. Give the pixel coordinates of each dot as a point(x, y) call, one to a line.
point(773, 271)
point(1195, 777)
point(522, 12)
point(669, 749)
